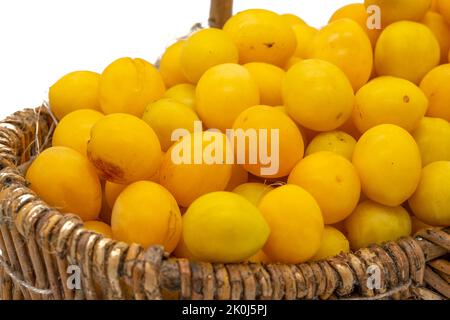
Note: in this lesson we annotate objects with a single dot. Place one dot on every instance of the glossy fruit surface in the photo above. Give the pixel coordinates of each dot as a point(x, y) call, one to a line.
point(434, 84)
point(261, 36)
point(305, 35)
point(405, 44)
point(204, 49)
point(396, 10)
point(99, 227)
point(170, 65)
point(357, 12)
point(431, 201)
point(124, 148)
point(224, 227)
point(332, 181)
point(253, 191)
point(333, 242)
point(441, 30)
point(167, 115)
point(147, 214)
point(389, 100)
point(276, 146)
point(373, 223)
point(112, 191)
point(66, 180)
point(74, 129)
point(269, 79)
point(76, 90)
point(184, 93)
point(433, 138)
point(189, 172)
point(345, 44)
point(129, 85)
point(296, 224)
point(318, 95)
point(223, 93)
point(388, 162)
point(338, 142)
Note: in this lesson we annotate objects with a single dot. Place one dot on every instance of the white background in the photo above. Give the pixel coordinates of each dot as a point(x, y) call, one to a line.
point(41, 40)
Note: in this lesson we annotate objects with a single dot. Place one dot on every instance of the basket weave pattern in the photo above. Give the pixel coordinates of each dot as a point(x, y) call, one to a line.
point(39, 244)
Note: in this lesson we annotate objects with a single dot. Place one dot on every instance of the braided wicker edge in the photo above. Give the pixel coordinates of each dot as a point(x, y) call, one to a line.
point(40, 245)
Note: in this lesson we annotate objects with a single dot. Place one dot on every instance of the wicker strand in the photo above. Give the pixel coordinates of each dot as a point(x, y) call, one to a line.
point(16, 279)
point(384, 295)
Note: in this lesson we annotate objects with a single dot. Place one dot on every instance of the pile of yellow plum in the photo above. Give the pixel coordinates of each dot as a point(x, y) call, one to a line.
point(341, 137)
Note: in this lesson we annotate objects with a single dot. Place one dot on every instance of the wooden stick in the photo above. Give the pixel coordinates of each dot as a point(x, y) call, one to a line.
point(220, 12)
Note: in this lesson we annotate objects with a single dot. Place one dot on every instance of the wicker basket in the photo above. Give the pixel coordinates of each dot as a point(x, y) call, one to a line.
point(43, 251)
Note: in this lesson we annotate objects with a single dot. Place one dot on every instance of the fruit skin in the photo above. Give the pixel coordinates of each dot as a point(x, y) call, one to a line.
point(99, 227)
point(147, 214)
point(443, 7)
point(253, 191)
point(434, 6)
point(333, 242)
point(405, 44)
point(290, 143)
point(170, 65)
point(431, 201)
point(238, 177)
point(181, 251)
point(224, 227)
point(357, 12)
point(433, 138)
point(305, 35)
point(338, 142)
point(223, 92)
point(396, 10)
point(184, 93)
point(129, 85)
point(373, 223)
point(166, 115)
point(307, 134)
point(259, 257)
point(74, 129)
point(345, 44)
point(388, 162)
point(269, 79)
point(295, 222)
point(124, 148)
point(434, 84)
point(65, 179)
point(292, 61)
point(441, 30)
point(417, 225)
point(188, 181)
point(75, 90)
point(292, 19)
point(261, 36)
point(332, 181)
point(204, 49)
point(317, 95)
point(389, 100)
point(112, 191)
